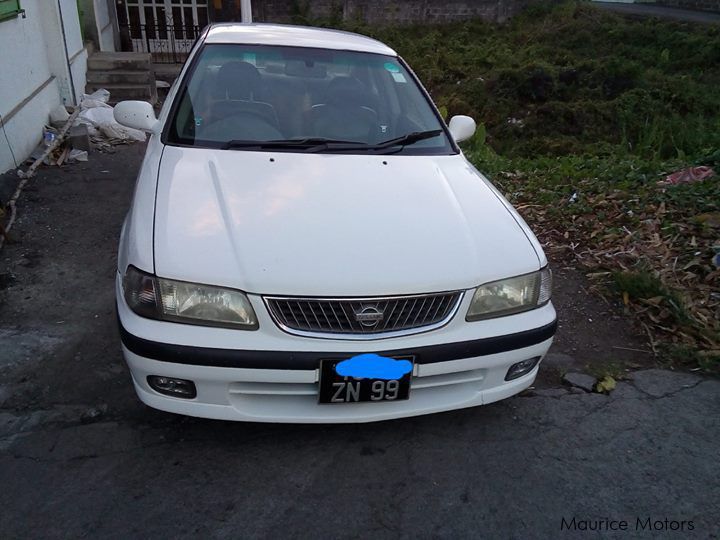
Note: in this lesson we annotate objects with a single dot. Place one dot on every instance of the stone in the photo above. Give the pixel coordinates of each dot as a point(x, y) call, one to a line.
point(79, 138)
point(580, 380)
point(93, 414)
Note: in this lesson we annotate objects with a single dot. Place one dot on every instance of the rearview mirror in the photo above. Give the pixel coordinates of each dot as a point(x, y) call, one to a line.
point(461, 127)
point(137, 115)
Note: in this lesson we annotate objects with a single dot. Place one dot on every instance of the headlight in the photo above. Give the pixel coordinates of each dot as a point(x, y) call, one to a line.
point(512, 295)
point(190, 303)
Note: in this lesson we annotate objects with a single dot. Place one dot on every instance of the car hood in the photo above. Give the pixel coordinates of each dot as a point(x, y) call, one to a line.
point(327, 224)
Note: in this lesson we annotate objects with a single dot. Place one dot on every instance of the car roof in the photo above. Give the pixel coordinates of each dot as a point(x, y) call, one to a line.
point(294, 36)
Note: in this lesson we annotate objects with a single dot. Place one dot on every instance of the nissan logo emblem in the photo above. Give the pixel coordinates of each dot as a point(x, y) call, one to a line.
point(369, 316)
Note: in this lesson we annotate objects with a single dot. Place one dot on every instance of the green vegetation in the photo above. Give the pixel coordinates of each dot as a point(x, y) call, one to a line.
point(581, 113)
point(571, 79)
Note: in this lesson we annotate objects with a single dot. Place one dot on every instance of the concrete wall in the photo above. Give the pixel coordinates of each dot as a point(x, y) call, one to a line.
point(387, 11)
point(34, 73)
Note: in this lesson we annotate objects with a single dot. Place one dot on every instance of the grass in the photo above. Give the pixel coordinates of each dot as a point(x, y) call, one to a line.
point(571, 79)
point(581, 112)
point(601, 370)
point(644, 286)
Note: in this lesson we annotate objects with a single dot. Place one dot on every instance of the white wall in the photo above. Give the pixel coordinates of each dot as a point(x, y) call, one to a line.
point(34, 74)
point(23, 70)
point(105, 30)
point(78, 67)
point(76, 53)
point(59, 51)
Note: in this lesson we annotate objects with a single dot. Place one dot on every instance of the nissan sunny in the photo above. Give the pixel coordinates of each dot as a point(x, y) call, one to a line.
point(308, 243)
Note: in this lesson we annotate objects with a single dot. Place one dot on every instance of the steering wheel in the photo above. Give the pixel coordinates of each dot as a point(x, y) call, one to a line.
point(240, 125)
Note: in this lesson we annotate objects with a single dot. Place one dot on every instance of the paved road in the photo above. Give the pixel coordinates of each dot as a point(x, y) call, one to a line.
point(662, 12)
point(81, 457)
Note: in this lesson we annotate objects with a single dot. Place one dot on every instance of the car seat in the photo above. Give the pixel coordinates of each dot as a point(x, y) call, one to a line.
point(346, 113)
point(239, 89)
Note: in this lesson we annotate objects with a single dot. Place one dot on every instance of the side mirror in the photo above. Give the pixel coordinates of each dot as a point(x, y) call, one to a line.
point(461, 127)
point(137, 115)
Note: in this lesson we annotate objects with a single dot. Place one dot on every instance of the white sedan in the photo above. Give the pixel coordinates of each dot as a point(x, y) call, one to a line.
point(307, 243)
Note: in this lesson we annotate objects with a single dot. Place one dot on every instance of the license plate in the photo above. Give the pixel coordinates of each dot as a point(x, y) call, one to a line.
point(370, 378)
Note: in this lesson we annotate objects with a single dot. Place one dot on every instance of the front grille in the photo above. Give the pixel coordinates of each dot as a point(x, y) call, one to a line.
point(363, 316)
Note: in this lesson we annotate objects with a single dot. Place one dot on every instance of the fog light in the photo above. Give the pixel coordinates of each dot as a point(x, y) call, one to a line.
point(172, 387)
point(521, 368)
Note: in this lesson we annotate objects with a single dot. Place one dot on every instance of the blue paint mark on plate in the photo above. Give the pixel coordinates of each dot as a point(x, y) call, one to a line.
point(373, 366)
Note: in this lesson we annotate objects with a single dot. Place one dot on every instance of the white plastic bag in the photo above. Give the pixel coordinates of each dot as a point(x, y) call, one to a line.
point(90, 103)
point(77, 155)
point(101, 95)
point(59, 114)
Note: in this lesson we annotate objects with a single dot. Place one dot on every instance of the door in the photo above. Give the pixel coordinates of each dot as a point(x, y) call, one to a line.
point(165, 28)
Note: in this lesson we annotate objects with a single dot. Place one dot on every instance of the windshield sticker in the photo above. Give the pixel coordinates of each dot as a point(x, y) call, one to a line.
point(373, 366)
point(399, 77)
point(392, 68)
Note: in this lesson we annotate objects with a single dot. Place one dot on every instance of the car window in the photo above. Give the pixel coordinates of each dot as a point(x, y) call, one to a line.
point(273, 93)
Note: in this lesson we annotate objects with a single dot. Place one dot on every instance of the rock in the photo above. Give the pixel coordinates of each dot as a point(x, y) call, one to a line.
point(92, 414)
point(79, 138)
point(659, 382)
point(580, 380)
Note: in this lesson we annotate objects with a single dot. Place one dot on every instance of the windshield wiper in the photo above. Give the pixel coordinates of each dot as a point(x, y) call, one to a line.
point(306, 144)
point(410, 138)
point(318, 144)
point(399, 142)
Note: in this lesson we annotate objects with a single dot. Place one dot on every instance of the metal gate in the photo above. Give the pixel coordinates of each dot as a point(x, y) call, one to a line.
point(165, 28)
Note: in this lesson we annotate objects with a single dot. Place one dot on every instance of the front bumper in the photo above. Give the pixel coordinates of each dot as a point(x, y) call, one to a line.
point(269, 376)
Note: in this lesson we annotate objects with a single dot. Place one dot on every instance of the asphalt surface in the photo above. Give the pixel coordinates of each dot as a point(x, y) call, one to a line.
point(643, 10)
point(80, 456)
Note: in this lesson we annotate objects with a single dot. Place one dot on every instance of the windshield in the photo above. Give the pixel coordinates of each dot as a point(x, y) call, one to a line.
point(304, 99)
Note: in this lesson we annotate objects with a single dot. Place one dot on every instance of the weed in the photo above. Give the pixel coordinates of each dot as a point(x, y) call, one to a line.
point(601, 370)
point(640, 285)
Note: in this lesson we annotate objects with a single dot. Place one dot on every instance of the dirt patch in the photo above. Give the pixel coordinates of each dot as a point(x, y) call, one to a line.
point(593, 334)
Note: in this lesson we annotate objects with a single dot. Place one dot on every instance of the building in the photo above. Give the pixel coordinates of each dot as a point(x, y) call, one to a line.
point(168, 28)
point(44, 64)
point(99, 24)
